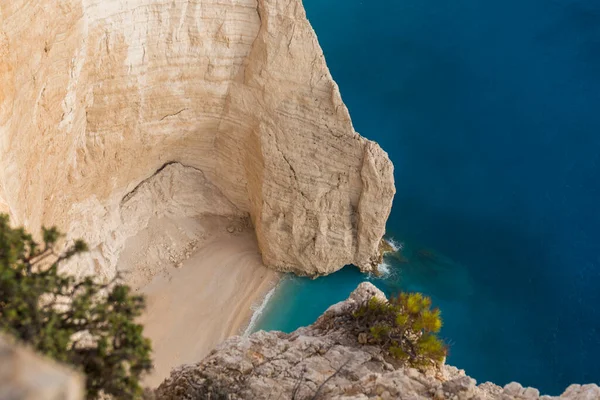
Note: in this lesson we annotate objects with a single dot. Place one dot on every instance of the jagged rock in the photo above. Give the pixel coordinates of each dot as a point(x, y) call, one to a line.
point(325, 361)
point(97, 96)
point(25, 375)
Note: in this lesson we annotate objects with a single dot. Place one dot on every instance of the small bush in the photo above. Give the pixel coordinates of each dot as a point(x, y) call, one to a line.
point(405, 326)
point(76, 321)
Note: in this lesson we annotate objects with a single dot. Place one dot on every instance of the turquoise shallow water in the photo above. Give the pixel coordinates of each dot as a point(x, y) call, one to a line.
point(490, 113)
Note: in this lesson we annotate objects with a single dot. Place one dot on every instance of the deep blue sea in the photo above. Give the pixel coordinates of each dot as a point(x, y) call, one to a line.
point(490, 111)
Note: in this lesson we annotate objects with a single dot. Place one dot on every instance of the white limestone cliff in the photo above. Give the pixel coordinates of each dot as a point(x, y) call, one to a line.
point(96, 96)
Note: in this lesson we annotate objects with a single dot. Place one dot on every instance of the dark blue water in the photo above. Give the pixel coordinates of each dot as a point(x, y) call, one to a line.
point(490, 112)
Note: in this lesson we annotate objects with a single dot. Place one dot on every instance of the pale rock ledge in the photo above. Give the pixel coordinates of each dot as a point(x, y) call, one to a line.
point(325, 361)
point(98, 95)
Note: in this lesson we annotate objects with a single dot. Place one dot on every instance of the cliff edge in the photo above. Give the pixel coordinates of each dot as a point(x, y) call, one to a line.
point(97, 97)
point(325, 361)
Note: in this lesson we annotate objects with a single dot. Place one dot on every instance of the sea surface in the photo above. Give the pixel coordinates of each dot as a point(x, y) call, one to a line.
point(490, 111)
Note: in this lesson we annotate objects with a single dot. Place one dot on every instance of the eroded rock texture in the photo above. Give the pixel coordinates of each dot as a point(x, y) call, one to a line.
point(325, 361)
point(97, 95)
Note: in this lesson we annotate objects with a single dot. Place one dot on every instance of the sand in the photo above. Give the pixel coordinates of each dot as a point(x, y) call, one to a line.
point(202, 277)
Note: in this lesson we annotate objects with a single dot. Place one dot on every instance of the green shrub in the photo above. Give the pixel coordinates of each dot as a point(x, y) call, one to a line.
point(405, 326)
point(76, 321)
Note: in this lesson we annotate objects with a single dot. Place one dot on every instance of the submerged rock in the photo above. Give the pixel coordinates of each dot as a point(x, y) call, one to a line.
point(326, 361)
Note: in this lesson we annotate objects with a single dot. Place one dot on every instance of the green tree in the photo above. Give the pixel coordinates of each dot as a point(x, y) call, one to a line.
point(76, 321)
point(405, 326)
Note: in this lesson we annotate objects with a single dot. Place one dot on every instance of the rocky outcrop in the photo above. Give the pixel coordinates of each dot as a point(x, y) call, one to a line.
point(25, 375)
point(325, 361)
point(97, 96)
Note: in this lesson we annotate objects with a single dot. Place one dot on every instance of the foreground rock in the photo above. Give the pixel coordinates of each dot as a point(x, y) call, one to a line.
point(324, 361)
point(25, 375)
point(98, 96)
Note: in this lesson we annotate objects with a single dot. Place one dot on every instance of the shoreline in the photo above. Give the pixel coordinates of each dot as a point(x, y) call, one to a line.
point(258, 312)
point(185, 321)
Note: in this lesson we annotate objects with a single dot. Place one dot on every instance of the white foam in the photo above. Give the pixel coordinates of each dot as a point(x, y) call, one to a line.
point(397, 246)
point(258, 310)
point(384, 270)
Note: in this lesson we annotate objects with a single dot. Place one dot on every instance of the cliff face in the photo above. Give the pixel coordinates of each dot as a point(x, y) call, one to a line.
point(325, 361)
point(97, 96)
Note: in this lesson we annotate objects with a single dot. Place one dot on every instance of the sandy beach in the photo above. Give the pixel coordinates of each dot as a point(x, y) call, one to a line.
point(203, 294)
